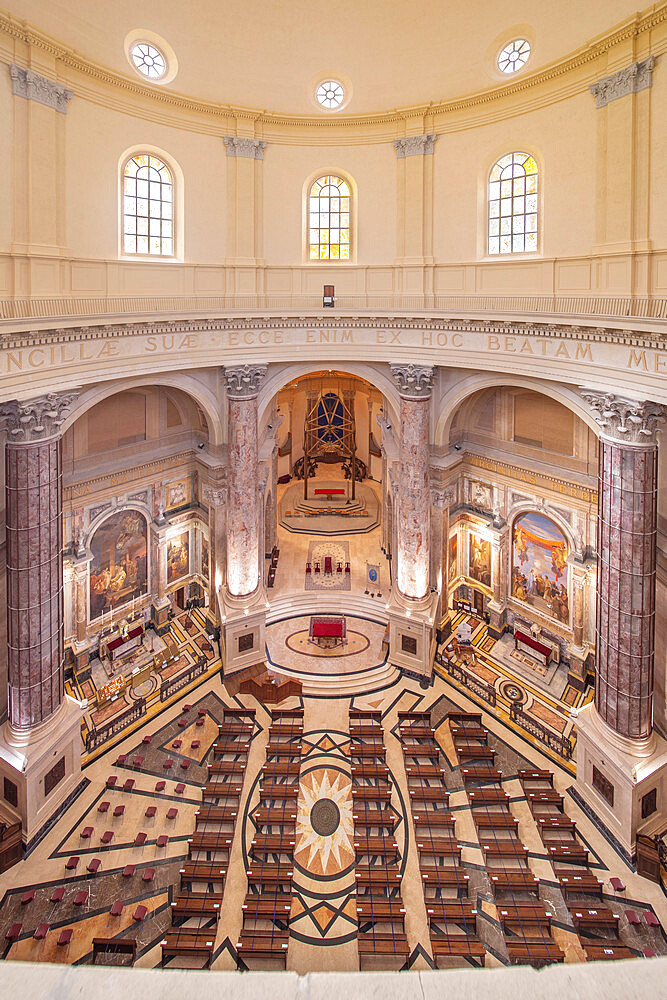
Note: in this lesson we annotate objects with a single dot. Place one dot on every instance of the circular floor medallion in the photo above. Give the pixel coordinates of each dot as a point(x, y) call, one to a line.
point(325, 817)
point(513, 692)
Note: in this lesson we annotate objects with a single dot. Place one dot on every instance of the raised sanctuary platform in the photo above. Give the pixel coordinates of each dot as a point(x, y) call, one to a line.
point(329, 509)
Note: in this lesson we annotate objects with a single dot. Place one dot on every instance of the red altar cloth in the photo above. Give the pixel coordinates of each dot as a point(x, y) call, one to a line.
point(533, 643)
point(334, 493)
point(327, 630)
point(119, 641)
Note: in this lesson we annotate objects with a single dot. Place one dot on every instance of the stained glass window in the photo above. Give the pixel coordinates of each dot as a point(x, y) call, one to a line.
point(148, 60)
point(514, 56)
point(513, 205)
point(148, 206)
point(329, 206)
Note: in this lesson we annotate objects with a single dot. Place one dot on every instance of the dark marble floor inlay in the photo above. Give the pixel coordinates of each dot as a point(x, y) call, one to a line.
point(325, 817)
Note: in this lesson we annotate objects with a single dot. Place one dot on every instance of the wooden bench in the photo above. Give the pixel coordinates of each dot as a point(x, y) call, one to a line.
point(197, 904)
point(474, 753)
point(380, 818)
point(375, 847)
point(483, 773)
point(189, 943)
point(438, 846)
point(461, 718)
point(518, 914)
point(424, 771)
point(455, 911)
point(488, 797)
point(379, 909)
point(276, 816)
point(441, 877)
point(203, 871)
point(226, 745)
point(561, 822)
point(215, 814)
point(586, 918)
point(272, 843)
point(267, 904)
point(457, 945)
point(434, 793)
point(383, 943)
point(283, 749)
point(433, 820)
point(570, 851)
point(510, 848)
point(535, 951)
point(230, 768)
point(494, 820)
point(269, 873)
point(210, 841)
point(607, 951)
point(114, 946)
point(366, 730)
point(272, 791)
point(469, 733)
point(513, 880)
point(377, 876)
point(230, 791)
point(361, 793)
point(545, 796)
point(583, 882)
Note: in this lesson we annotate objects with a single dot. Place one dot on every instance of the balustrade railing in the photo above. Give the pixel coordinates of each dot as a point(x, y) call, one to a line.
point(98, 735)
point(562, 745)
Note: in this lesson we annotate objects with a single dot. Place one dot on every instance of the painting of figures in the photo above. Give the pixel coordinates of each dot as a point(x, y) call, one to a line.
point(480, 560)
point(453, 548)
point(118, 568)
point(539, 565)
point(204, 557)
point(178, 557)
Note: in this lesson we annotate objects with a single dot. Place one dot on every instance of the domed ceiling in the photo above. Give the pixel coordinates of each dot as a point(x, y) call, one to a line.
point(269, 55)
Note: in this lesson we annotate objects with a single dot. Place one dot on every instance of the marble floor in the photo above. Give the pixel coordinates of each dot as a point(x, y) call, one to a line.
point(322, 919)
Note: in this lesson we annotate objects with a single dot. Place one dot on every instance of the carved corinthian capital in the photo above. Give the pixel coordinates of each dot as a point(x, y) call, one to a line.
point(413, 380)
point(629, 421)
point(415, 145)
point(26, 83)
point(243, 381)
point(238, 145)
point(636, 76)
point(29, 420)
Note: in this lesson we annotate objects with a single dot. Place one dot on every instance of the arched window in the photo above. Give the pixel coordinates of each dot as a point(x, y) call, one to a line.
point(148, 206)
point(329, 207)
point(513, 205)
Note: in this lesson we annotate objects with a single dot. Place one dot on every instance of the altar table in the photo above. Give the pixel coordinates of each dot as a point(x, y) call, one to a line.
point(533, 647)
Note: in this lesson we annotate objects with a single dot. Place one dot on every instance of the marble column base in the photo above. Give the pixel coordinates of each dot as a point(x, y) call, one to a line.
point(160, 615)
point(412, 633)
point(496, 619)
point(27, 757)
point(577, 674)
point(242, 617)
point(632, 767)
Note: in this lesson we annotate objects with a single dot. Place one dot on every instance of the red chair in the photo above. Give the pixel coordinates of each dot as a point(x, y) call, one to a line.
point(347, 567)
point(129, 785)
point(57, 894)
point(129, 870)
point(81, 897)
point(87, 833)
point(317, 567)
point(107, 836)
point(149, 875)
point(71, 863)
point(120, 760)
point(195, 745)
point(138, 761)
point(140, 839)
point(119, 810)
point(617, 884)
point(13, 932)
point(103, 807)
point(41, 931)
point(633, 918)
point(94, 866)
point(160, 786)
point(182, 723)
point(27, 897)
point(648, 953)
point(147, 740)
point(177, 744)
point(650, 919)
point(162, 840)
point(172, 813)
point(180, 788)
point(112, 781)
point(200, 722)
point(140, 913)
point(185, 764)
point(187, 707)
point(167, 764)
point(117, 908)
point(202, 713)
point(308, 569)
point(150, 812)
point(65, 936)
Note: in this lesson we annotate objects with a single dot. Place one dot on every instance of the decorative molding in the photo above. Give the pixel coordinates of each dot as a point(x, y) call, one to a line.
point(36, 419)
point(251, 149)
point(244, 381)
point(112, 479)
point(415, 381)
point(214, 496)
point(415, 145)
point(537, 479)
point(26, 83)
point(635, 77)
point(586, 56)
point(443, 499)
point(627, 421)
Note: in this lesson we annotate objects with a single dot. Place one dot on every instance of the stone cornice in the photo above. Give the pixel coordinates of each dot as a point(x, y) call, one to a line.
point(502, 328)
point(251, 149)
point(132, 476)
point(26, 83)
point(625, 421)
point(36, 419)
point(630, 80)
point(586, 56)
point(528, 477)
point(414, 145)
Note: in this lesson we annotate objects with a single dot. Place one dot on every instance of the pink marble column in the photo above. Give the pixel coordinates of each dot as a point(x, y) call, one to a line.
point(34, 556)
point(414, 385)
point(243, 384)
point(627, 525)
